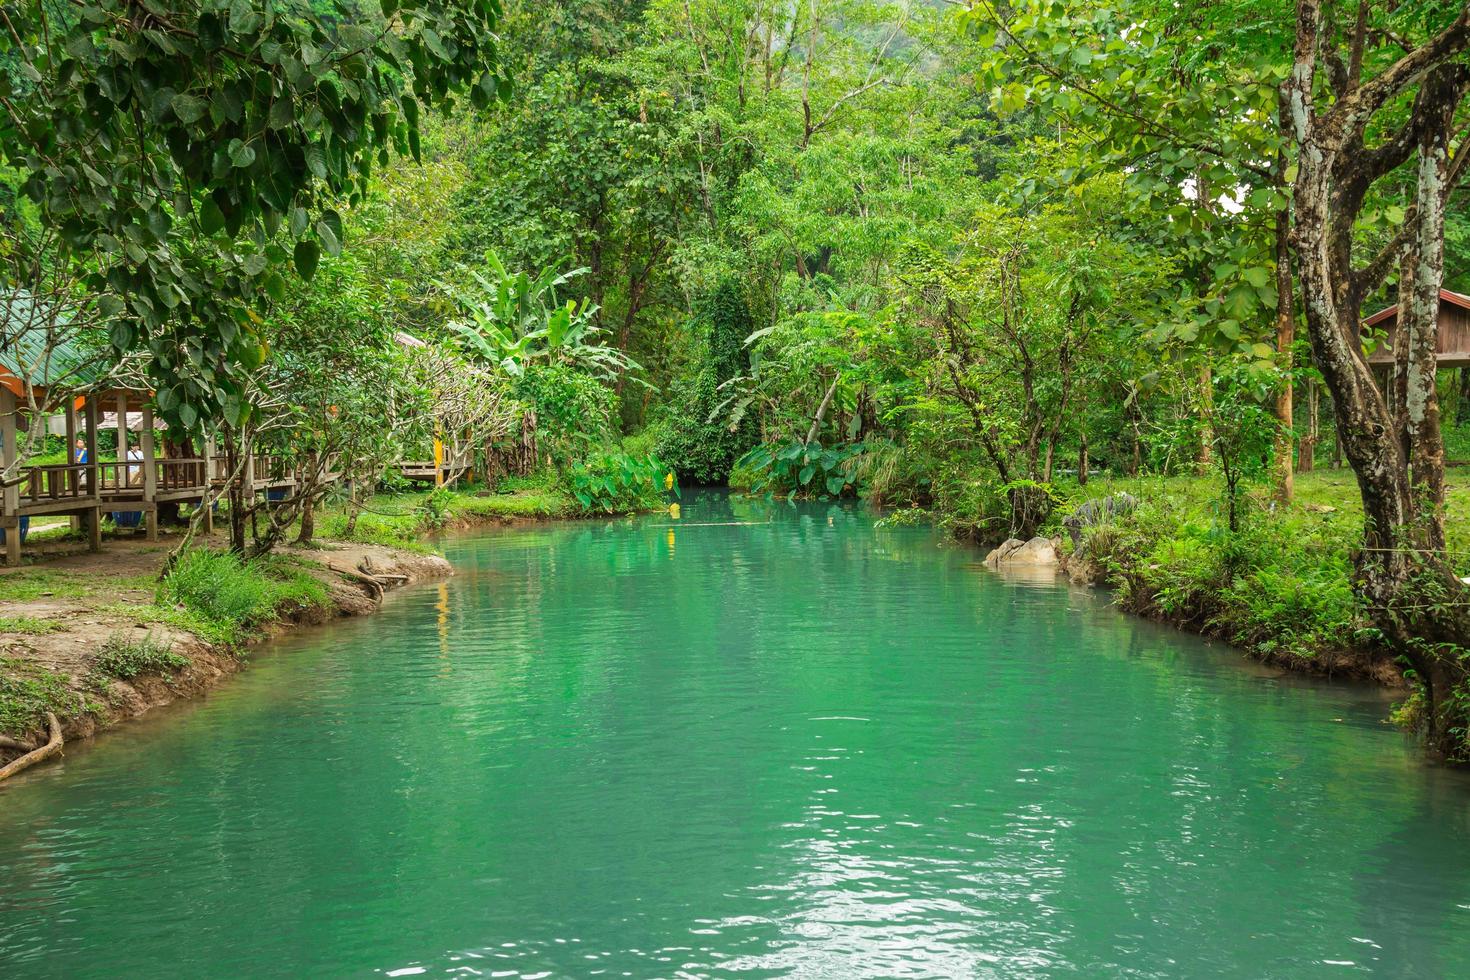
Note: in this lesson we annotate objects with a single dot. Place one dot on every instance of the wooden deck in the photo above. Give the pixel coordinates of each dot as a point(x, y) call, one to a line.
point(130, 486)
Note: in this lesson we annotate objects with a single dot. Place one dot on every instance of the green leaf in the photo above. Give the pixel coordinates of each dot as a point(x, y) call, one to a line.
point(316, 161)
point(1257, 276)
point(432, 40)
point(241, 154)
point(306, 257)
point(283, 113)
point(189, 108)
point(329, 238)
point(211, 218)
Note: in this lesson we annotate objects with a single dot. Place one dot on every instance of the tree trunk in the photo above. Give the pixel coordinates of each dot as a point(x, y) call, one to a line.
point(816, 426)
point(1285, 338)
point(308, 523)
point(1402, 574)
point(1082, 460)
point(236, 494)
point(1306, 454)
point(1462, 402)
point(1207, 410)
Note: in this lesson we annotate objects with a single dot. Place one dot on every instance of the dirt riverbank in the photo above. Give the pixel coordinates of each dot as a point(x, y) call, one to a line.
point(59, 620)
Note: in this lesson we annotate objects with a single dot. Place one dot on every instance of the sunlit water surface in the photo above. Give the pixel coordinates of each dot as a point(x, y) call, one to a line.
point(769, 742)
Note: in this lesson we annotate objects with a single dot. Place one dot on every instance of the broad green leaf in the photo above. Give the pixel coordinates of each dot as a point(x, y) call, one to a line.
point(306, 257)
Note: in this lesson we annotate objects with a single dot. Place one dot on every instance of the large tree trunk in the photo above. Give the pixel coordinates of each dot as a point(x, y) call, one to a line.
point(1402, 574)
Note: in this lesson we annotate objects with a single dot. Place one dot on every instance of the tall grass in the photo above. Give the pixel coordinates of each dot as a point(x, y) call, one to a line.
point(236, 594)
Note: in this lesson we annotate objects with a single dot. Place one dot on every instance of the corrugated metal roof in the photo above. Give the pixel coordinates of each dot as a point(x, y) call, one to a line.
point(35, 349)
point(1445, 296)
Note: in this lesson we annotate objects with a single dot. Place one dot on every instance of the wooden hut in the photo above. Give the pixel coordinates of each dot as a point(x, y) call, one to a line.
point(1454, 331)
point(29, 378)
point(45, 370)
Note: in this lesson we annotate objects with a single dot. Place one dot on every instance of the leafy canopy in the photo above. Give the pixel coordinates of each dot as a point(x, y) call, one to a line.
point(191, 152)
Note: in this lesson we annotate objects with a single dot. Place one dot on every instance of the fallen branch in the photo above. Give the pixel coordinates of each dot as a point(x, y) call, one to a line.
point(52, 747)
point(6, 742)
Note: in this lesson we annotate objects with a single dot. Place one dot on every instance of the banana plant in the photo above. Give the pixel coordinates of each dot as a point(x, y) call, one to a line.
point(510, 318)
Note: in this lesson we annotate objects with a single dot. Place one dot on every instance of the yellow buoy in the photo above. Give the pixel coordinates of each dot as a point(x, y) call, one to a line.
point(669, 480)
point(674, 511)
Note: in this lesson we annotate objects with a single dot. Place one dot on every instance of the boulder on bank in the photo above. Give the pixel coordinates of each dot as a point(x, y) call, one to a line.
point(1037, 553)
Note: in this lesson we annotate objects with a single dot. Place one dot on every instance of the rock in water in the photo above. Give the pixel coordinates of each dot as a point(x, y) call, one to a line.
point(999, 554)
point(1036, 553)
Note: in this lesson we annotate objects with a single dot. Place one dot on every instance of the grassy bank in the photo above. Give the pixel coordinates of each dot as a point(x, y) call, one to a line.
point(401, 520)
point(1279, 587)
point(134, 626)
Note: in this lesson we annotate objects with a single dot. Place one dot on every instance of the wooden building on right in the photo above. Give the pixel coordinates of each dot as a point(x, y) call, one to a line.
point(1454, 332)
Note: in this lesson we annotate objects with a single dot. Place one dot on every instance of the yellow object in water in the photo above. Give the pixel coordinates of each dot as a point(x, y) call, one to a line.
point(669, 480)
point(674, 511)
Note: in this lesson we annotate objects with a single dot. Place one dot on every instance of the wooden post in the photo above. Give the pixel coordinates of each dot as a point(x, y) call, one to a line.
point(438, 459)
point(208, 484)
point(150, 474)
point(9, 452)
point(122, 432)
point(94, 476)
point(73, 480)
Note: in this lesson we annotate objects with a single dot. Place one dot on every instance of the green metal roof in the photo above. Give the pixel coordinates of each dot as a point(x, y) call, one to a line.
point(27, 331)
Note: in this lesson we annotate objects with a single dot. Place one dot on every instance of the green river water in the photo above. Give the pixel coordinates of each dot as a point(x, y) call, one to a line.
point(771, 742)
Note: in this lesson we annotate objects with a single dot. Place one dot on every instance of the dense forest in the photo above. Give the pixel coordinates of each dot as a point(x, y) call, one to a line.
point(975, 263)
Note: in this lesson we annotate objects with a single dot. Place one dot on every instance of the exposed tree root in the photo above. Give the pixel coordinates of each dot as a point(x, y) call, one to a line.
point(52, 747)
point(376, 586)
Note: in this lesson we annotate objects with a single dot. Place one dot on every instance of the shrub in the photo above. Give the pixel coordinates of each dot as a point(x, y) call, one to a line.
point(905, 517)
point(437, 507)
point(803, 468)
point(125, 659)
point(616, 482)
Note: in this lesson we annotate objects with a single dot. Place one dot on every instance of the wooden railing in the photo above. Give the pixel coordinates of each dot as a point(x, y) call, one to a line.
point(260, 470)
point(58, 483)
point(62, 481)
point(120, 476)
point(126, 477)
point(182, 474)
